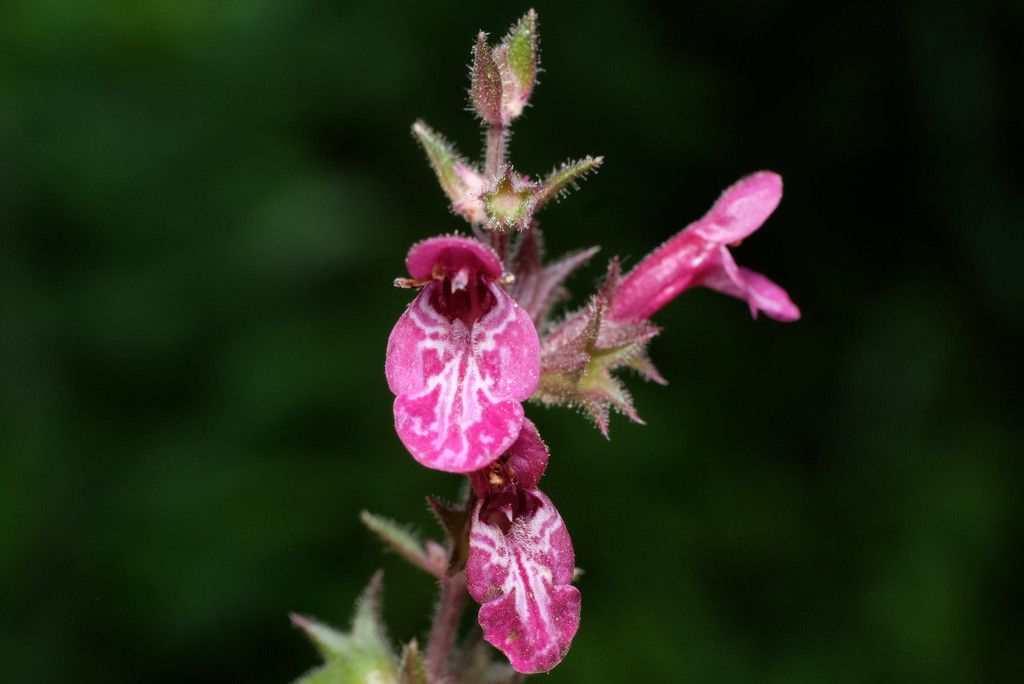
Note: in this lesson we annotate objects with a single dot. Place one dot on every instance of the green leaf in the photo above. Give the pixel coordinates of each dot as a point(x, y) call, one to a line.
point(404, 543)
point(359, 655)
point(330, 642)
point(333, 673)
point(567, 176)
point(521, 46)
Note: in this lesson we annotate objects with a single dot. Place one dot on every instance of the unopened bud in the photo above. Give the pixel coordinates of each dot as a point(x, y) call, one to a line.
point(486, 83)
point(516, 58)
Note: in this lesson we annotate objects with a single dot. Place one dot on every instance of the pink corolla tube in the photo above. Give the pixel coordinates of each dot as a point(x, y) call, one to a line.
point(461, 359)
point(699, 255)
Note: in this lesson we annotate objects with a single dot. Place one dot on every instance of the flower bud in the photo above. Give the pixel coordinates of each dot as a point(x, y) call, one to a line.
point(486, 87)
point(516, 58)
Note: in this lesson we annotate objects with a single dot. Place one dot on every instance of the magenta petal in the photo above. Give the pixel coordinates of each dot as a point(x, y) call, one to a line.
point(692, 257)
point(459, 389)
point(760, 293)
point(765, 295)
point(528, 456)
point(520, 569)
point(741, 209)
point(660, 277)
point(452, 253)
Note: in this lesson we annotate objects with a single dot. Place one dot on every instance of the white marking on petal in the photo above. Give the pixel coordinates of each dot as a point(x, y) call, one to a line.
point(459, 388)
point(522, 577)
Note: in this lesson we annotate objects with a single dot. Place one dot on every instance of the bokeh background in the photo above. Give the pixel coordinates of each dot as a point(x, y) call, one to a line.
point(202, 206)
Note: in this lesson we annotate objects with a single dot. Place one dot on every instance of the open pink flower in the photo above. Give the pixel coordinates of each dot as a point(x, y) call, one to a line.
point(699, 255)
point(520, 569)
point(461, 358)
point(521, 561)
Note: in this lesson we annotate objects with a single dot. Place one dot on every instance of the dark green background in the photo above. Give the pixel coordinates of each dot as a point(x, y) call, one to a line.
point(202, 206)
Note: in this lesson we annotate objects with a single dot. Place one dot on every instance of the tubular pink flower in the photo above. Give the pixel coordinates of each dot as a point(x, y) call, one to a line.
point(520, 568)
point(460, 359)
point(698, 255)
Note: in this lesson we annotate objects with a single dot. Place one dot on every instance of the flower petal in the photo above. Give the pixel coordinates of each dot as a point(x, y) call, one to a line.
point(520, 569)
point(452, 252)
point(761, 294)
point(528, 456)
point(765, 295)
point(660, 277)
point(687, 258)
point(459, 390)
point(741, 209)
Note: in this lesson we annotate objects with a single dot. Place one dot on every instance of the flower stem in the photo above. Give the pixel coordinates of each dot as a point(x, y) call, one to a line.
point(494, 151)
point(446, 624)
point(494, 158)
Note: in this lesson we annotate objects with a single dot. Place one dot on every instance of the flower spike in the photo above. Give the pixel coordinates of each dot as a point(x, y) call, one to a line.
point(479, 339)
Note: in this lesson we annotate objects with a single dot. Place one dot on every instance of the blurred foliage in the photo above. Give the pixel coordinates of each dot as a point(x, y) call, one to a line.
point(202, 206)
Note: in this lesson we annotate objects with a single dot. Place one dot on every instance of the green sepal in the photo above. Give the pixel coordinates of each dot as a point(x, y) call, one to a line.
point(331, 673)
point(443, 157)
point(566, 177)
point(509, 202)
point(581, 353)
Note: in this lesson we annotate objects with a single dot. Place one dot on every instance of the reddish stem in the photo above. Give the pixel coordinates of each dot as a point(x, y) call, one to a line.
point(446, 624)
point(494, 151)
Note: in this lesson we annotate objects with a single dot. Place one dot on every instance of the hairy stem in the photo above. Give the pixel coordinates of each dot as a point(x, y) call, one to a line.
point(446, 624)
point(494, 150)
point(494, 159)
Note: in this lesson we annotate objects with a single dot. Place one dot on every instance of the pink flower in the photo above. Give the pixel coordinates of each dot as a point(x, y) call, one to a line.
point(698, 255)
point(461, 358)
point(520, 564)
